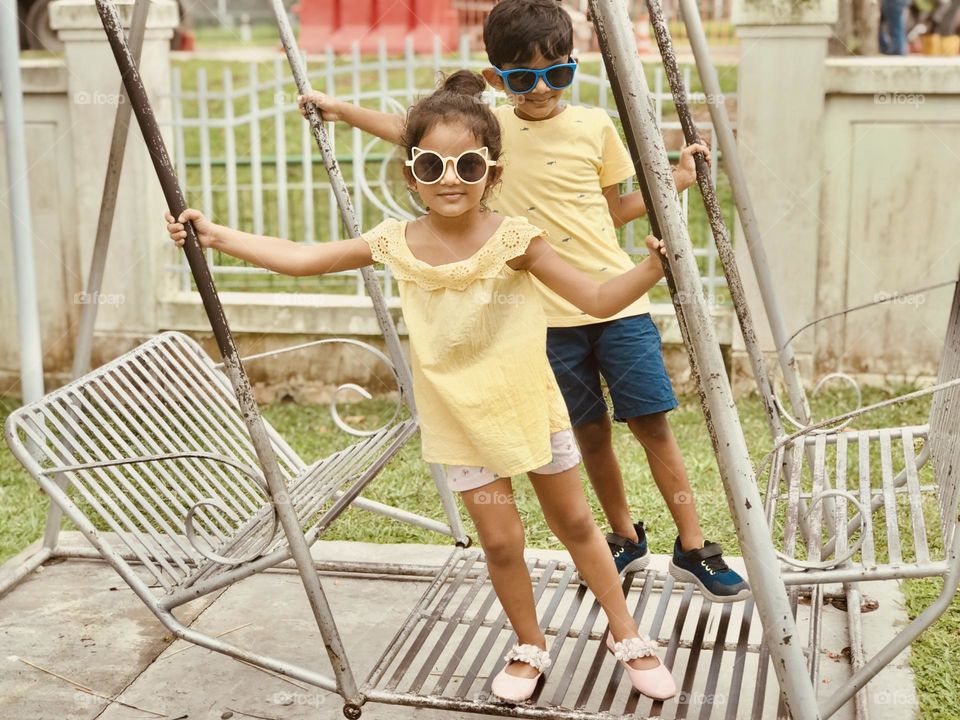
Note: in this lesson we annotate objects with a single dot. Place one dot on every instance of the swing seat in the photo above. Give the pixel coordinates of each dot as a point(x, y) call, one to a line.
point(453, 643)
point(876, 503)
point(152, 448)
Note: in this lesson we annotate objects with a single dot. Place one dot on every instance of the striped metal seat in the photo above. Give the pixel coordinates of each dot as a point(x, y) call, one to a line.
point(152, 447)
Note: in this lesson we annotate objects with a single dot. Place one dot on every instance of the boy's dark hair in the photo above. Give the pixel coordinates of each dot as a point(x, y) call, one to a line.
point(458, 99)
point(516, 29)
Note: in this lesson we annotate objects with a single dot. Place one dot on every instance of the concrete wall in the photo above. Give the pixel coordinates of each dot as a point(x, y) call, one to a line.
point(49, 145)
point(890, 212)
point(851, 164)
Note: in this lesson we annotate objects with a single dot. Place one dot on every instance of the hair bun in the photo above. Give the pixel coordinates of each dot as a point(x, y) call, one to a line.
point(464, 82)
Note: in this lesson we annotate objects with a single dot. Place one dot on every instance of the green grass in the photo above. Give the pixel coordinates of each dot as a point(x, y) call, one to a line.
point(405, 483)
point(216, 36)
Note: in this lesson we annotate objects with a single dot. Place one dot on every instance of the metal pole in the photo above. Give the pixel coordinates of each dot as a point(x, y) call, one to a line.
point(349, 217)
point(231, 359)
point(724, 248)
point(24, 273)
point(751, 229)
point(717, 226)
point(108, 204)
point(748, 219)
point(628, 81)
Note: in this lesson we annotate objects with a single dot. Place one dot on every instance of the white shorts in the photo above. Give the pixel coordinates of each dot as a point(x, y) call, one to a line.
point(566, 455)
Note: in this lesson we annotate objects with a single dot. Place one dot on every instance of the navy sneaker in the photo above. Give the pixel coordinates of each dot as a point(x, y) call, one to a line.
point(628, 556)
point(705, 568)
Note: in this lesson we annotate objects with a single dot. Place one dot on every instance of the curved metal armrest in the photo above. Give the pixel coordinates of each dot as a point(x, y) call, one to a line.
point(885, 299)
point(247, 470)
point(939, 387)
point(212, 502)
point(338, 421)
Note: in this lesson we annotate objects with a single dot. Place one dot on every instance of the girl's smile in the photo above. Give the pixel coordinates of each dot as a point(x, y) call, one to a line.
point(449, 197)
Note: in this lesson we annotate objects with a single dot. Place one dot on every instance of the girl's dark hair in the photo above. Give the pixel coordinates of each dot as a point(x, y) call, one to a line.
point(458, 100)
point(516, 29)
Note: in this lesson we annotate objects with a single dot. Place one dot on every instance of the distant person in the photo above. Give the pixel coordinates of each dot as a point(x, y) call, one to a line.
point(893, 29)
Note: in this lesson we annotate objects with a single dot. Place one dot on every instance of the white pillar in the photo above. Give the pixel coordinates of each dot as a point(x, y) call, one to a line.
point(780, 102)
point(17, 197)
point(133, 271)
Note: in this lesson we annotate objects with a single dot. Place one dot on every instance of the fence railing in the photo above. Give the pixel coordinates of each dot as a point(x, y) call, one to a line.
point(246, 157)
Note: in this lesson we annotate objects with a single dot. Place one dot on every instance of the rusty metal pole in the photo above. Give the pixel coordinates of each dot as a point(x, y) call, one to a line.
point(727, 256)
point(233, 368)
point(614, 31)
point(349, 217)
point(748, 219)
point(718, 228)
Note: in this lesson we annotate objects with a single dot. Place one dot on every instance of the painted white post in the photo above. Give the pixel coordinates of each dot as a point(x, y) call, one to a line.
point(133, 273)
point(18, 191)
point(780, 101)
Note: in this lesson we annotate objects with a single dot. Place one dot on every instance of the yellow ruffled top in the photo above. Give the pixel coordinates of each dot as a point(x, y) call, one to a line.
point(483, 386)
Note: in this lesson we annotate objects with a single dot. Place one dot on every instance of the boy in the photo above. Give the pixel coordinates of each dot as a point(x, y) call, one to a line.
point(563, 166)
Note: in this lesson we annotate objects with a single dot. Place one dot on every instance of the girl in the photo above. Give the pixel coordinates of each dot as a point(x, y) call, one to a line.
point(488, 402)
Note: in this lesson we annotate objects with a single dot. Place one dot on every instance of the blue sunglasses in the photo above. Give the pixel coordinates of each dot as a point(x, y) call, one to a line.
point(521, 81)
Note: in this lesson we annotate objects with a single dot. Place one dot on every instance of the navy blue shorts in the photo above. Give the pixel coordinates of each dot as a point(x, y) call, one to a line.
point(627, 353)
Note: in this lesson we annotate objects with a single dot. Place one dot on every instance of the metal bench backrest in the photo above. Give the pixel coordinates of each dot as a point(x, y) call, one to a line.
point(164, 397)
point(944, 437)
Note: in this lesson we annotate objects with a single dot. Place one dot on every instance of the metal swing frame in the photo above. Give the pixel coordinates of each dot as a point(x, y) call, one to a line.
point(813, 507)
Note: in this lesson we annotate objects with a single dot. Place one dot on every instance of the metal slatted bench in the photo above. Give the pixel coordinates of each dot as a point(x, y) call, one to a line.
point(152, 447)
point(852, 506)
point(875, 503)
point(452, 644)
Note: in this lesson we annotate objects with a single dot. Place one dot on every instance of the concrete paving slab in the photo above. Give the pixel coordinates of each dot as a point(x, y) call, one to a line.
point(79, 620)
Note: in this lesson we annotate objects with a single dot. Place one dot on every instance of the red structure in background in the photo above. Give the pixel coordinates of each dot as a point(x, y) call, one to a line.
point(340, 23)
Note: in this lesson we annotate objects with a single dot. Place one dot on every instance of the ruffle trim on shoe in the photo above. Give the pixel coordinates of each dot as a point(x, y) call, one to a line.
point(530, 654)
point(633, 648)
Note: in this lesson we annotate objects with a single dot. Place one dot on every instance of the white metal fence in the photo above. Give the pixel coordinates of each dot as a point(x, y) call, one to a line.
point(246, 158)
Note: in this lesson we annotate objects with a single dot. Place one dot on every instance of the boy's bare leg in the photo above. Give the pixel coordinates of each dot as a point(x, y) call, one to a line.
point(670, 474)
point(568, 515)
point(500, 530)
point(595, 439)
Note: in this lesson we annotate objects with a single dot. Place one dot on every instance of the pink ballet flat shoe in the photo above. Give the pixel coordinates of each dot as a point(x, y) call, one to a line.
point(518, 689)
point(657, 682)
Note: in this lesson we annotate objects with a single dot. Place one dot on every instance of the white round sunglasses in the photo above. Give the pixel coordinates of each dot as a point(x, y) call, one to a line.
point(471, 166)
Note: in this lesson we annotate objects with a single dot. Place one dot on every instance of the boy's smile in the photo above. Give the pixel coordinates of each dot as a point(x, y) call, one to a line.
point(541, 103)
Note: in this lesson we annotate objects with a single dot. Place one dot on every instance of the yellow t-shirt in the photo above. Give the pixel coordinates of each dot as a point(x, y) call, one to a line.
point(553, 174)
point(485, 393)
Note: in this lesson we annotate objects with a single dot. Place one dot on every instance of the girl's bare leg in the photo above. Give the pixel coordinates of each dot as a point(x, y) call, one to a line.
point(494, 513)
point(568, 515)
